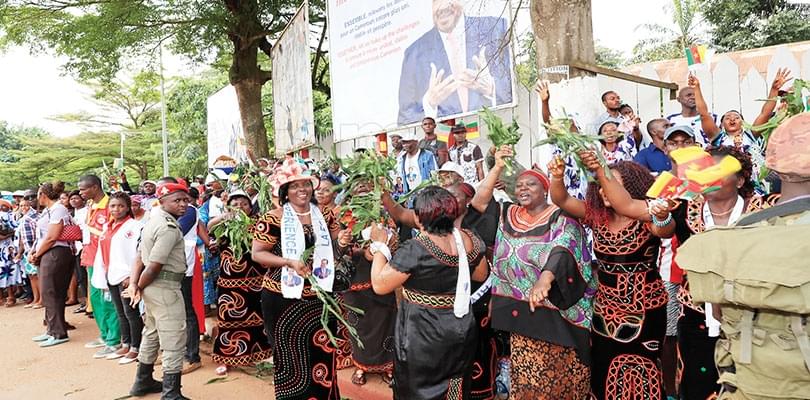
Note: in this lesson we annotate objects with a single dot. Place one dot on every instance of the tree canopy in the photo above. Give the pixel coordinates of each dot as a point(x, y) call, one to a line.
point(102, 37)
point(748, 24)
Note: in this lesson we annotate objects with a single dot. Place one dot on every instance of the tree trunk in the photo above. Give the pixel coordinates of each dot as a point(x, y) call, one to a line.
point(245, 74)
point(563, 32)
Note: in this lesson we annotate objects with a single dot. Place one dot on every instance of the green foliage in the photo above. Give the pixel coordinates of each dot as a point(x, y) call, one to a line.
point(500, 135)
point(665, 43)
point(234, 231)
point(11, 138)
point(747, 24)
point(559, 134)
point(609, 58)
point(101, 38)
point(187, 120)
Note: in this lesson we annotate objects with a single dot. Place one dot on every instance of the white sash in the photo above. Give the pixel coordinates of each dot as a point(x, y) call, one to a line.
point(708, 223)
point(461, 303)
point(293, 246)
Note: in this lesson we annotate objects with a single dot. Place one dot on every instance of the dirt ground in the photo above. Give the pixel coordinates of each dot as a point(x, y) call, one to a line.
point(68, 371)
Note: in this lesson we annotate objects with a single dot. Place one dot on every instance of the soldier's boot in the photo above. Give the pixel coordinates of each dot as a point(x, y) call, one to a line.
point(144, 382)
point(171, 387)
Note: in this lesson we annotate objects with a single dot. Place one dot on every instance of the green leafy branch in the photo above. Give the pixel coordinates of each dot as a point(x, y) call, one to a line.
point(559, 134)
point(331, 307)
point(235, 228)
point(500, 135)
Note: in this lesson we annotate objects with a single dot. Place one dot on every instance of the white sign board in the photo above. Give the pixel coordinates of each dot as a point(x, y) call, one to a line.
point(394, 62)
point(293, 119)
point(225, 134)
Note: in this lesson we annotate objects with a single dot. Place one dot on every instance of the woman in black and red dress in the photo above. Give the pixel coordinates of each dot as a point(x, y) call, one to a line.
point(375, 326)
point(240, 339)
point(436, 334)
point(304, 360)
point(629, 317)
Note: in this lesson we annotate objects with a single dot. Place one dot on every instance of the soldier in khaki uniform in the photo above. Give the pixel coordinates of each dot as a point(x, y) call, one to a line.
point(158, 280)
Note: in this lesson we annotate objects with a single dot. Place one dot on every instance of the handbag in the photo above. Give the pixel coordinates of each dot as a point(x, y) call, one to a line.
point(70, 233)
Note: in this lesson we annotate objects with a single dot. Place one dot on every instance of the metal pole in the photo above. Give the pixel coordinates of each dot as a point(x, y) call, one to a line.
point(164, 134)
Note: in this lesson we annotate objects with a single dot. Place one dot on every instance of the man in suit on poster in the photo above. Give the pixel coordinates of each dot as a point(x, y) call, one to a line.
point(462, 64)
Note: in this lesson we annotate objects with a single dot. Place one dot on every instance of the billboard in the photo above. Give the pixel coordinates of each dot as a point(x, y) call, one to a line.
point(395, 62)
point(225, 135)
point(293, 119)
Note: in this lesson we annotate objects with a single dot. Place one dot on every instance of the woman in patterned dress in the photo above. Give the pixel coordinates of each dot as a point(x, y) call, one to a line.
point(435, 335)
point(542, 289)
point(698, 329)
point(732, 131)
point(10, 269)
point(240, 336)
point(616, 145)
point(375, 327)
point(629, 318)
point(304, 361)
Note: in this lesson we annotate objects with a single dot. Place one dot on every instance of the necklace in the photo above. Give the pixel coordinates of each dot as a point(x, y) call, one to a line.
point(720, 214)
point(302, 214)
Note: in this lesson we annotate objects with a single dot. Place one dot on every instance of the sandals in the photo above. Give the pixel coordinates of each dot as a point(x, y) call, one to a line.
point(10, 302)
point(359, 377)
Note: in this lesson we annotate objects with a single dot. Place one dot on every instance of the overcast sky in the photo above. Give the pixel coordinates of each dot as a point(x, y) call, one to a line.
point(33, 88)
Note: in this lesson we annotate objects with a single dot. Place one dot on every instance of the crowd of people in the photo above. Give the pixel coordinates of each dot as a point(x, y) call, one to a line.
point(546, 283)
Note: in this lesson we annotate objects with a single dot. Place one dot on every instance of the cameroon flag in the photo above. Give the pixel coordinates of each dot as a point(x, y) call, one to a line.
point(696, 54)
point(443, 131)
point(666, 186)
point(690, 158)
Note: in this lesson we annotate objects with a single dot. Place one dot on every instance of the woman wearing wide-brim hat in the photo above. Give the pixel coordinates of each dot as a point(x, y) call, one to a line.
point(303, 358)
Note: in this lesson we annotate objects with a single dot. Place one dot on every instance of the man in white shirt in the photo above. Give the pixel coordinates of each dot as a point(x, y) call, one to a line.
point(415, 164)
point(689, 115)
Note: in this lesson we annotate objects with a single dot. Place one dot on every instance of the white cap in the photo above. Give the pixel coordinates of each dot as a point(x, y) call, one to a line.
point(409, 134)
point(452, 167)
point(19, 193)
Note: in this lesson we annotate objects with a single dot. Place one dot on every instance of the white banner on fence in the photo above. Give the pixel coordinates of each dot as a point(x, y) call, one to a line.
point(225, 134)
point(394, 62)
point(293, 119)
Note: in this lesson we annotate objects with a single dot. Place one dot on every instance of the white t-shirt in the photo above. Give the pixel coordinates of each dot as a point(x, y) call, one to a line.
point(80, 216)
point(695, 124)
point(123, 252)
point(412, 173)
point(51, 216)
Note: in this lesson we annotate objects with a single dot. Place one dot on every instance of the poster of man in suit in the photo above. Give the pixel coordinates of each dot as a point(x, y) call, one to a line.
point(394, 62)
point(463, 64)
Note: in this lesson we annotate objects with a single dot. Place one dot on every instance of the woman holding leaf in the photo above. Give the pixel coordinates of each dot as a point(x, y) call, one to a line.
point(629, 313)
point(240, 338)
point(286, 241)
point(436, 332)
point(375, 327)
point(542, 288)
point(733, 130)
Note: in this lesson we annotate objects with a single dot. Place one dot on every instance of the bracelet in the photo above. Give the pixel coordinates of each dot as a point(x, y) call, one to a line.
point(380, 247)
point(663, 223)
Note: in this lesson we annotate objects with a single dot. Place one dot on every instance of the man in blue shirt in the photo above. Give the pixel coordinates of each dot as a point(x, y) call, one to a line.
point(654, 156)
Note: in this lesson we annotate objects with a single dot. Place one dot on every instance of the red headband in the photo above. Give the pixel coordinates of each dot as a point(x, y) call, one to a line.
point(537, 174)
